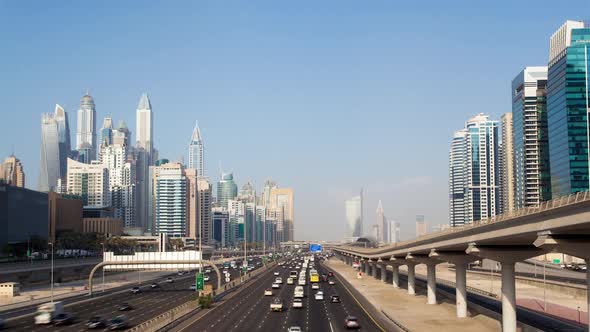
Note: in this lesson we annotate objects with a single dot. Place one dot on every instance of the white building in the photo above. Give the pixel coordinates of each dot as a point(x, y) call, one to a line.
point(381, 222)
point(196, 153)
point(86, 129)
point(354, 216)
point(145, 130)
point(170, 198)
point(394, 231)
point(121, 181)
point(90, 181)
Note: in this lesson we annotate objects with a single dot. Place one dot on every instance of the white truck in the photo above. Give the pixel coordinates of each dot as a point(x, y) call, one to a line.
point(298, 293)
point(47, 311)
point(276, 304)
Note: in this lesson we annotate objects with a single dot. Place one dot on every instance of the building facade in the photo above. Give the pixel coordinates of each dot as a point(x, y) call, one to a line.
point(354, 216)
point(196, 157)
point(226, 189)
point(458, 179)
point(394, 231)
point(205, 204)
point(421, 226)
point(283, 209)
point(12, 173)
point(506, 164)
point(90, 182)
point(86, 129)
point(567, 108)
point(49, 166)
point(170, 198)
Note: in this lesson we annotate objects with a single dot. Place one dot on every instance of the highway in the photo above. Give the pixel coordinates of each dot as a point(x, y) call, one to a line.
point(250, 309)
point(145, 305)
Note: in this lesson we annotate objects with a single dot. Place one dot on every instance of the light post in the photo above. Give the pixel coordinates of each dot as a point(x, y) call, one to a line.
point(544, 285)
point(103, 251)
point(51, 244)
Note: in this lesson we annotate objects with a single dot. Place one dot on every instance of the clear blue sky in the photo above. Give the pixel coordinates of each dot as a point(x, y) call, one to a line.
point(322, 96)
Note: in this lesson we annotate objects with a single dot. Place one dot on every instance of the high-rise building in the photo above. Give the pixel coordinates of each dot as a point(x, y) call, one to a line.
point(170, 198)
point(261, 225)
point(221, 233)
point(394, 231)
point(192, 204)
point(474, 167)
point(421, 226)
point(226, 189)
point(458, 178)
point(86, 129)
point(268, 186)
point(381, 222)
point(506, 166)
point(531, 141)
point(106, 133)
point(196, 157)
point(283, 209)
point(145, 127)
point(89, 181)
point(567, 108)
point(354, 216)
point(50, 164)
point(12, 173)
point(63, 133)
point(205, 204)
point(145, 155)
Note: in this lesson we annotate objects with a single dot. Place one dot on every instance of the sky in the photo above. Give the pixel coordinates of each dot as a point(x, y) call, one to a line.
point(325, 97)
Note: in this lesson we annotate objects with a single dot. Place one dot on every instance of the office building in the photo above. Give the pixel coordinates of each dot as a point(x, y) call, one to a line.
point(226, 189)
point(196, 152)
point(63, 134)
point(506, 179)
point(268, 186)
point(394, 231)
point(354, 216)
point(170, 198)
point(106, 133)
point(121, 181)
point(261, 225)
point(90, 182)
point(283, 210)
point(145, 129)
point(473, 172)
point(221, 238)
point(192, 206)
point(24, 216)
point(145, 155)
point(86, 129)
point(567, 108)
point(65, 214)
point(532, 173)
point(12, 173)
point(382, 224)
point(49, 166)
point(421, 226)
point(205, 204)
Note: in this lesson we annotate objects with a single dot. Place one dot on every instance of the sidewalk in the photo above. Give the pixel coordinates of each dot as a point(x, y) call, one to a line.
point(409, 310)
point(527, 296)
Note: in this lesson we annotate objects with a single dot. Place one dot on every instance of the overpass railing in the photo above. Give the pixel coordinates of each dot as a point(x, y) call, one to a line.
point(576, 198)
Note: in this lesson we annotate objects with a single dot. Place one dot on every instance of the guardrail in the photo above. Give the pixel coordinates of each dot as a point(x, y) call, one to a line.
point(395, 322)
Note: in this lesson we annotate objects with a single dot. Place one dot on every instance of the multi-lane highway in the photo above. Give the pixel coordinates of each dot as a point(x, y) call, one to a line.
point(145, 305)
point(250, 309)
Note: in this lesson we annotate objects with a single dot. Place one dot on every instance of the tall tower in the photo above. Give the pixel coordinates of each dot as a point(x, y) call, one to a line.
point(49, 168)
point(145, 128)
point(458, 179)
point(86, 129)
point(63, 132)
point(226, 189)
point(353, 209)
point(195, 152)
point(506, 166)
point(382, 224)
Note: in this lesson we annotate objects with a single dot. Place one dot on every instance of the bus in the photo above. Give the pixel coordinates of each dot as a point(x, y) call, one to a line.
point(314, 277)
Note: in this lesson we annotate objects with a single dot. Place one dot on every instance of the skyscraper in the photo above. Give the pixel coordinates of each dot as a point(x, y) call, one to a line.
point(11, 172)
point(394, 230)
point(170, 196)
point(89, 181)
point(226, 189)
point(145, 128)
point(506, 166)
point(354, 216)
point(474, 166)
point(145, 156)
point(192, 204)
point(50, 163)
point(283, 209)
point(63, 132)
point(567, 108)
point(196, 153)
point(381, 222)
point(86, 129)
point(204, 206)
point(531, 145)
point(421, 226)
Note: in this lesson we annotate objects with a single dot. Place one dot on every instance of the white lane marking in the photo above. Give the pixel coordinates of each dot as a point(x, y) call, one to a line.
point(331, 328)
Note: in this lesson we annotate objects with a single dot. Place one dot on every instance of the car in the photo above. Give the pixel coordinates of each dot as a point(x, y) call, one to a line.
point(180, 273)
point(118, 323)
point(169, 280)
point(331, 282)
point(268, 292)
point(206, 278)
point(154, 285)
point(63, 319)
point(207, 270)
point(290, 281)
point(279, 280)
point(96, 322)
point(319, 295)
point(193, 287)
point(124, 307)
point(135, 290)
point(351, 322)
point(276, 273)
point(315, 285)
point(330, 274)
point(275, 285)
point(297, 303)
point(335, 299)
point(294, 329)
point(301, 282)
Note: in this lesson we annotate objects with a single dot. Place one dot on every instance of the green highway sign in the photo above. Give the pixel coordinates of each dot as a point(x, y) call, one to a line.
point(200, 282)
point(556, 260)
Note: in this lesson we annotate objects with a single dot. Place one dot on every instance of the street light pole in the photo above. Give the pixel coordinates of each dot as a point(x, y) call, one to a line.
point(103, 250)
point(51, 244)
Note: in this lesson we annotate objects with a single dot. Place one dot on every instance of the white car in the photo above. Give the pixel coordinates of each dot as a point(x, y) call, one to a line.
point(301, 282)
point(206, 278)
point(290, 281)
point(276, 273)
point(268, 292)
point(319, 295)
point(331, 282)
point(279, 280)
point(297, 303)
point(315, 285)
point(275, 285)
point(294, 329)
point(193, 287)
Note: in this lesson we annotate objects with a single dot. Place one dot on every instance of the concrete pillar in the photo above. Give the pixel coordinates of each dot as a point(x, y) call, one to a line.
point(508, 297)
point(395, 276)
point(366, 271)
point(461, 289)
point(431, 283)
point(411, 279)
point(383, 272)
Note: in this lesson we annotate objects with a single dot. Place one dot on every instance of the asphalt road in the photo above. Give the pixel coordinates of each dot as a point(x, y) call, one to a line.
point(250, 309)
point(146, 305)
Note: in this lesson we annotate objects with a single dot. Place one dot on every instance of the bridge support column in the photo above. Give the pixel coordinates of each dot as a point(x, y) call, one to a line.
point(508, 297)
point(411, 279)
point(431, 282)
point(461, 289)
point(395, 275)
point(383, 272)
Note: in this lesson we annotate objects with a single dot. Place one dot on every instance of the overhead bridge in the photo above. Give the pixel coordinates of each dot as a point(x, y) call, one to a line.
point(560, 225)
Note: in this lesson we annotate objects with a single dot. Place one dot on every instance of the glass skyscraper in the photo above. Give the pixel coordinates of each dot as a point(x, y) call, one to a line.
point(195, 152)
point(170, 196)
point(226, 189)
point(567, 108)
point(50, 163)
point(86, 129)
point(354, 216)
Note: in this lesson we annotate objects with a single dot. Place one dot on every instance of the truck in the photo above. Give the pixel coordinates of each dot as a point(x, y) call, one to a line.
point(276, 304)
point(46, 312)
point(299, 292)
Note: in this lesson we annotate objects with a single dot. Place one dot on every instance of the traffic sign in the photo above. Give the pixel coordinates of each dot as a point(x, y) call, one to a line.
point(556, 260)
point(227, 279)
point(200, 282)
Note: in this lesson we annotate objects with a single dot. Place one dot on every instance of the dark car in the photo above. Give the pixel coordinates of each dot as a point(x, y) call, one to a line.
point(118, 323)
point(330, 274)
point(63, 319)
point(135, 290)
point(351, 322)
point(125, 307)
point(335, 299)
point(154, 285)
point(96, 322)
